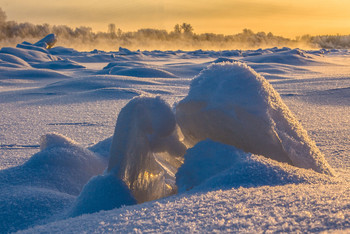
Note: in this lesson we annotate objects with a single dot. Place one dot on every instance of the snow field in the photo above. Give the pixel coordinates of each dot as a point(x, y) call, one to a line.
point(220, 187)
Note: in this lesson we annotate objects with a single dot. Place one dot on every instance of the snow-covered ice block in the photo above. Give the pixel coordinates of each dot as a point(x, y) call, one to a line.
point(232, 104)
point(47, 42)
point(145, 148)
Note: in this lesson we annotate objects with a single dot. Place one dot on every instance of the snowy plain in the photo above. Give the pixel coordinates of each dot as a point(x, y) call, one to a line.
point(79, 96)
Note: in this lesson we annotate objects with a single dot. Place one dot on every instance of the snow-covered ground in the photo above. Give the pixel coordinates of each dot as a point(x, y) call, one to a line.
point(263, 108)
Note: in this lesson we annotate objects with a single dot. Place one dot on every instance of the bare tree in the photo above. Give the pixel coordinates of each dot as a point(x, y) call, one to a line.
point(111, 30)
point(187, 28)
point(177, 29)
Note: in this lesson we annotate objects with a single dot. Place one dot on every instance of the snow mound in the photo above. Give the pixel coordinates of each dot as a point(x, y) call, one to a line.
point(30, 56)
point(141, 72)
point(102, 192)
point(145, 148)
point(63, 51)
point(61, 165)
point(46, 184)
point(211, 165)
point(29, 46)
point(291, 57)
point(102, 147)
point(204, 160)
point(220, 60)
point(60, 64)
point(125, 51)
point(9, 60)
point(94, 88)
point(232, 104)
point(29, 74)
point(26, 206)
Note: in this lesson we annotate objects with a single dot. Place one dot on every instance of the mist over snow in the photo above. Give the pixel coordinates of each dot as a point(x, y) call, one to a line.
point(182, 37)
point(173, 141)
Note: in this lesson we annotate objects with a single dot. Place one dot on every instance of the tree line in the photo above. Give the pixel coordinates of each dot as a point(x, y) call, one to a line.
point(181, 37)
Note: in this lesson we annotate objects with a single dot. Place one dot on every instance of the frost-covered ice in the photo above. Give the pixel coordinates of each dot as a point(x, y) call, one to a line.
point(145, 148)
point(45, 186)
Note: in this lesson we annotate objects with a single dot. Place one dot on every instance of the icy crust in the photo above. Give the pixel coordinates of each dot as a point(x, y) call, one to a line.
point(232, 104)
point(145, 148)
point(211, 165)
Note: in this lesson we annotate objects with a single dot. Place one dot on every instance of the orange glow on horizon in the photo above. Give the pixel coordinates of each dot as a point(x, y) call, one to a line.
point(288, 18)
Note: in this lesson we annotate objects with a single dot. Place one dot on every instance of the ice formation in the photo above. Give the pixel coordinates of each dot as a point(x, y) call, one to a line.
point(232, 104)
point(47, 42)
point(145, 148)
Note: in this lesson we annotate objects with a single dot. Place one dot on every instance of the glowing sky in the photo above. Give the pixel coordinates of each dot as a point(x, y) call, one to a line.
point(282, 17)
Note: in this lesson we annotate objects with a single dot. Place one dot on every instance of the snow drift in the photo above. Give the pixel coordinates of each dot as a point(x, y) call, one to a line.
point(232, 104)
point(29, 55)
point(46, 184)
point(61, 165)
point(291, 57)
point(145, 148)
